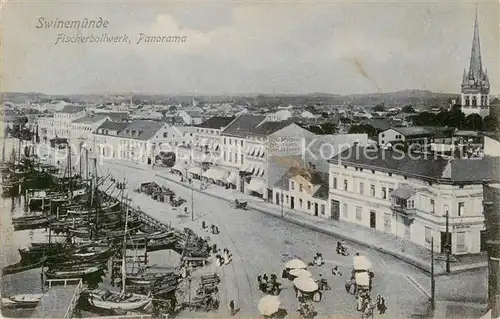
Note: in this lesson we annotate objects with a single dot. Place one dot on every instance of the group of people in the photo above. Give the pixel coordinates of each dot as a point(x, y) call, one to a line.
point(318, 259)
point(214, 229)
point(269, 284)
point(224, 259)
point(341, 248)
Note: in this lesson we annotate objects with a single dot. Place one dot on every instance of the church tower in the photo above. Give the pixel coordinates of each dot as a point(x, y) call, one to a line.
point(475, 83)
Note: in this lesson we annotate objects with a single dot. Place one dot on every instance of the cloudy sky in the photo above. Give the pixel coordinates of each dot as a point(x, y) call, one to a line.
point(248, 47)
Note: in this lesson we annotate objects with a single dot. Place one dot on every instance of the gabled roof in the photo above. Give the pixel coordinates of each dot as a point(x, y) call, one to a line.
point(246, 124)
point(113, 126)
point(322, 192)
point(424, 130)
point(141, 129)
point(89, 119)
point(72, 109)
point(216, 122)
point(420, 166)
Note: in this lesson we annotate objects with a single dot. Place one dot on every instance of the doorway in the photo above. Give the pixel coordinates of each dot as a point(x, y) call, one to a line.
point(373, 219)
point(445, 242)
point(315, 209)
point(292, 202)
point(277, 199)
point(335, 209)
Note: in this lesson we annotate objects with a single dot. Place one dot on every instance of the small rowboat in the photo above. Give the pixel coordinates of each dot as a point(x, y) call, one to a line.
point(77, 272)
point(21, 301)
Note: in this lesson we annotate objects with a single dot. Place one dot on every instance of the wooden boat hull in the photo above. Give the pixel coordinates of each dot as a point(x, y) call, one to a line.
point(140, 301)
point(21, 301)
point(20, 267)
point(76, 273)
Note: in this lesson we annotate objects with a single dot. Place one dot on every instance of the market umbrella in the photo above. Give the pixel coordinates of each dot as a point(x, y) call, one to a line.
point(305, 284)
point(296, 264)
point(300, 273)
point(362, 279)
point(361, 263)
point(268, 305)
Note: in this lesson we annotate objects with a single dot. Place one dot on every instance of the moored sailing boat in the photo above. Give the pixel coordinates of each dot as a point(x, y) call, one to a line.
point(107, 299)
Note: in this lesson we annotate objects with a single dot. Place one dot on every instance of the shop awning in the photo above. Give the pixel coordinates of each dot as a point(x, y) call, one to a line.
point(233, 176)
point(262, 172)
point(263, 152)
point(257, 152)
point(250, 169)
point(403, 192)
point(257, 171)
point(196, 170)
point(256, 185)
point(214, 173)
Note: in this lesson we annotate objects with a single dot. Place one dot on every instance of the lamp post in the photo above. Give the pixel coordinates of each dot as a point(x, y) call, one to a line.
point(448, 245)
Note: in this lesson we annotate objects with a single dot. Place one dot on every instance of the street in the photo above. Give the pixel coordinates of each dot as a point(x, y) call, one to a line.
point(258, 243)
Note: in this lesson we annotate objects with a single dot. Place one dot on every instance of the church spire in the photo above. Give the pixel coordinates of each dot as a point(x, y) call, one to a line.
point(464, 78)
point(475, 66)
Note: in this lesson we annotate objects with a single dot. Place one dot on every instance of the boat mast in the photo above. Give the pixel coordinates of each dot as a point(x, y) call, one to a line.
point(97, 197)
point(124, 253)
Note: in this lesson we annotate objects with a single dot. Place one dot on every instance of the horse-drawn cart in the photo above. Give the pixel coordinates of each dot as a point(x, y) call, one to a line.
point(238, 204)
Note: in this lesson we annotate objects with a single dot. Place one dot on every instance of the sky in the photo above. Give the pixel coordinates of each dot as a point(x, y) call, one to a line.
point(248, 47)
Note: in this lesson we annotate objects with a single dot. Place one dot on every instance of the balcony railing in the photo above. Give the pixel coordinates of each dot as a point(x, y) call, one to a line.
point(404, 211)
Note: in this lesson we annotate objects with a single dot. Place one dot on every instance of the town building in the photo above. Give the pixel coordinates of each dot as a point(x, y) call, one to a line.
point(191, 117)
point(412, 197)
point(424, 135)
point(475, 88)
point(303, 190)
point(138, 141)
point(58, 125)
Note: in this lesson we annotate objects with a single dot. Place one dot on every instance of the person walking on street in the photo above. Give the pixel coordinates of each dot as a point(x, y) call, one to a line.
point(231, 307)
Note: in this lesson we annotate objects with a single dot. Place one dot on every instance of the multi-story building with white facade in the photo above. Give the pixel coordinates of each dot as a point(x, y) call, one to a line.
point(59, 125)
point(244, 147)
point(138, 141)
point(475, 86)
point(412, 197)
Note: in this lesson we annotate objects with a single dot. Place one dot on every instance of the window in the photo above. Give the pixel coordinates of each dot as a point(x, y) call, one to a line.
point(433, 207)
point(356, 169)
point(229, 157)
point(335, 183)
point(390, 174)
point(405, 177)
point(230, 142)
point(358, 213)
point(383, 135)
point(390, 191)
point(345, 185)
point(165, 134)
point(384, 193)
point(300, 202)
point(308, 204)
point(287, 198)
point(428, 235)
point(461, 208)
point(345, 212)
point(225, 156)
point(300, 188)
point(345, 166)
point(446, 209)
point(235, 158)
point(372, 190)
point(241, 143)
point(461, 242)
point(361, 188)
point(241, 158)
point(373, 171)
point(322, 209)
point(292, 185)
point(224, 141)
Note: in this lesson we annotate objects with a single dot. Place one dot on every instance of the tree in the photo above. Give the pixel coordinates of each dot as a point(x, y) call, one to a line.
point(408, 109)
point(325, 115)
point(490, 123)
point(329, 128)
point(316, 129)
point(363, 129)
point(172, 109)
point(474, 122)
point(378, 108)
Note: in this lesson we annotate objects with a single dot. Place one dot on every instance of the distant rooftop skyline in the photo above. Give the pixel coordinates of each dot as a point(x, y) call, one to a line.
point(248, 48)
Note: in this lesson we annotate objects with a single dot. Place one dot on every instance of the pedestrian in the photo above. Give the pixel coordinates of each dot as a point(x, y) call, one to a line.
point(214, 248)
point(381, 307)
point(259, 280)
point(203, 224)
point(42, 281)
point(231, 307)
point(348, 286)
point(216, 230)
point(336, 271)
point(265, 278)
